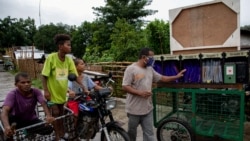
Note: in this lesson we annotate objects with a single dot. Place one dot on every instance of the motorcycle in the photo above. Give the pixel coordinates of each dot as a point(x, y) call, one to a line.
point(93, 113)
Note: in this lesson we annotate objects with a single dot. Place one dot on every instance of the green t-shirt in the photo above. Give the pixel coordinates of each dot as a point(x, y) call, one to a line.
point(57, 72)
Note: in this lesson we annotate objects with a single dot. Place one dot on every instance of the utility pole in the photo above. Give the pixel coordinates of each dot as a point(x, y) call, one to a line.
point(40, 11)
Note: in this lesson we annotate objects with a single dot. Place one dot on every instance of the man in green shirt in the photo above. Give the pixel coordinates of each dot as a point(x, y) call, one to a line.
point(55, 72)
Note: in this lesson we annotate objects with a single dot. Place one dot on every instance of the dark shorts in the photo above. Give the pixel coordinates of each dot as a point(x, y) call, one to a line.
point(56, 110)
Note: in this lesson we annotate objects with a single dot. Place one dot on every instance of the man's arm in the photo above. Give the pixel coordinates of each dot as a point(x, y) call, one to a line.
point(40, 99)
point(5, 121)
point(45, 88)
point(79, 81)
point(173, 78)
point(49, 118)
point(91, 84)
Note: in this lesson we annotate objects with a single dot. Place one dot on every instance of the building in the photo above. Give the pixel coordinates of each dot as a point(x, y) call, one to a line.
point(206, 27)
point(28, 52)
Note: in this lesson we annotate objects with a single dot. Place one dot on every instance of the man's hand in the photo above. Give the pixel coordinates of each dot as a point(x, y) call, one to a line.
point(86, 92)
point(71, 93)
point(49, 119)
point(47, 95)
point(79, 81)
point(180, 74)
point(145, 94)
point(10, 130)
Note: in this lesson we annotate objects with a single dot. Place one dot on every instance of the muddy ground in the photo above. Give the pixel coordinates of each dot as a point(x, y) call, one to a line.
point(7, 83)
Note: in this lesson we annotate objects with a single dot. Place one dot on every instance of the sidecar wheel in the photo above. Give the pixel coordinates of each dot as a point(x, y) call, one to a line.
point(115, 134)
point(173, 129)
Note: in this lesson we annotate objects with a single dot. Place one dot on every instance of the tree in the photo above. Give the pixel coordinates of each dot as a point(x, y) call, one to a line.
point(6, 31)
point(16, 32)
point(126, 41)
point(81, 38)
point(100, 41)
point(24, 32)
point(246, 27)
point(158, 36)
point(131, 10)
point(44, 37)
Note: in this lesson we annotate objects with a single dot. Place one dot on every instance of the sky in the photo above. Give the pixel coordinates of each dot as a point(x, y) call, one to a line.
point(74, 12)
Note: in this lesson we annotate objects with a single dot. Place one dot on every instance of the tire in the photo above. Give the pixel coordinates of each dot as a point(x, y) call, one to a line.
point(115, 134)
point(173, 129)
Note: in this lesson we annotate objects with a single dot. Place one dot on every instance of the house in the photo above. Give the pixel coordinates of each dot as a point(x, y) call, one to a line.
point(208, 27)
point(28, 52)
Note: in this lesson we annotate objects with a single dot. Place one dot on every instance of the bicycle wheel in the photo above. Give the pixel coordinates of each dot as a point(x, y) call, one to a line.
point(115, 134)
point(173, 129)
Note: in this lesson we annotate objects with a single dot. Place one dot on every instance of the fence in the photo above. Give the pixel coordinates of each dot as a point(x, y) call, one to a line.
point(30, 66)
point(34, 69)
point(117, 69)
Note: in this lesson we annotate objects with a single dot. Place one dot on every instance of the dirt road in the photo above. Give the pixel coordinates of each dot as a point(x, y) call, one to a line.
point(6, 83)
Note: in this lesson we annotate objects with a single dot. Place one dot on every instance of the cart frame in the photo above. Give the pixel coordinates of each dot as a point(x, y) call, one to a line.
point(170, 102)
point(21, 134)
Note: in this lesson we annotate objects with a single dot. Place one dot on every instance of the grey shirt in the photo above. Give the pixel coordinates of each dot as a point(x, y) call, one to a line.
point(87, 82)
point(140, 79)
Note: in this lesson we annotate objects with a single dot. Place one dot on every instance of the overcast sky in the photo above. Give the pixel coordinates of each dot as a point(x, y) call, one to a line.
point(74, 12)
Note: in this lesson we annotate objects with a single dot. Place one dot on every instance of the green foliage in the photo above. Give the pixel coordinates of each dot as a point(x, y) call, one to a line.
point(16, 32)
point(106, 57)
point(131, 10)
point(126, 40)
point(95, 57)
point(99, 40)
point(37, 83)
point(15, 71)
point(103, 39)
point(44, 37)
point(158, 36)
point(81, 38)
point(2, 51)
point(90, 57)
point(246, 27)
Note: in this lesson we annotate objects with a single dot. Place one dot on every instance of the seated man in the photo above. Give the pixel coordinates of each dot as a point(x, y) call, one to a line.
point(19, 107)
